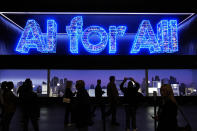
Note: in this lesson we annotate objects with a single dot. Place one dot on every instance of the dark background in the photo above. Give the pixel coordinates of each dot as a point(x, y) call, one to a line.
point(100, 5)
point(99, 62)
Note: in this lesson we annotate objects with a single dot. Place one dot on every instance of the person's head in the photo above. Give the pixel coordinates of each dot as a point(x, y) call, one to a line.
point(112, 78)
point(28, 84)
point(130, 84)
point(3, 85)
point(167, 92)
point(80, 85)
point(69, 84)
point(98, 81)
point(10, 85)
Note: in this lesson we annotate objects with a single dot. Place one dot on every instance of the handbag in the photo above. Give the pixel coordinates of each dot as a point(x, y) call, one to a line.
point(66, 100)
point(187, 127)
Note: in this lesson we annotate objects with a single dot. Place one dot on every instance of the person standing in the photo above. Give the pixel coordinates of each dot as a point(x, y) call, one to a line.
point(10, 101)
point(67, 99)
point(98, 99)
point(2, 89)
point(131, 101)
point(167, 112)
point(29, 105)
point(113, 97)
point(82, 107)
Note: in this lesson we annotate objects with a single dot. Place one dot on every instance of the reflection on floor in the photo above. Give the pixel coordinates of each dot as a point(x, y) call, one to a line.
point(52, 118)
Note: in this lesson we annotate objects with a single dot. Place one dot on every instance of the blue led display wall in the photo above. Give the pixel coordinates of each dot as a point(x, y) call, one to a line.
point(76, 33)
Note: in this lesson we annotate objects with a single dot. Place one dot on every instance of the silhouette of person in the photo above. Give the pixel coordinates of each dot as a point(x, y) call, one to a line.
point(98, 98)
point(131, 101)
point(2, 89)
point(82, 110)
point(30, 105)
point(113, 96)
point(167, 112)
point(20, 90)
point(39, 90)
point(68, 99)
point(10, 101)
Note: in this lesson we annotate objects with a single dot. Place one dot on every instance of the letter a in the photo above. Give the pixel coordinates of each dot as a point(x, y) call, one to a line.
point(145, 38)
point(31, 38)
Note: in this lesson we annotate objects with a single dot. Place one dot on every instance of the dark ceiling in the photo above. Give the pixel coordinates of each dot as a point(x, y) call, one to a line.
point(100, 5)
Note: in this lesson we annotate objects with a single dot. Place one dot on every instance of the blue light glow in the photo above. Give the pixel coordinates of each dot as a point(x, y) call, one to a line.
point(163, 36)
point(95, 38)
point(145, 38)
point(173, 36)
point(74, 30)
point(51, 36)
point(92, 30)
point(167, 36)
point(31, 38)
point(113, 33)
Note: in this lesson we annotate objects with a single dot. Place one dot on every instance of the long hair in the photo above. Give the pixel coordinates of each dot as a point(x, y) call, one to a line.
point(3, 85)
point(167, 92)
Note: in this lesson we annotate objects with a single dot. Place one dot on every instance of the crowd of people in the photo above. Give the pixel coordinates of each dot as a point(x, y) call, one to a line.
point(27, 102)
point(79, 109)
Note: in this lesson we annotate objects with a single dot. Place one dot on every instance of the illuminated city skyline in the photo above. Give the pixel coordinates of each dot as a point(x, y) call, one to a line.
point(91, 76)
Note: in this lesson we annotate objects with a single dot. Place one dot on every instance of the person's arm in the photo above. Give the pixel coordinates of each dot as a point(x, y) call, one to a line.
point(122, 84)
point(158, 114)
point(97, 91)
point(137, 85)
point(132, 79)
point(18, 91)
point(100, 91)
point(73, 93)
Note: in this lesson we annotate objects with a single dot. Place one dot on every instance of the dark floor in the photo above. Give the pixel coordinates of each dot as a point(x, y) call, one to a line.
point(52, 118)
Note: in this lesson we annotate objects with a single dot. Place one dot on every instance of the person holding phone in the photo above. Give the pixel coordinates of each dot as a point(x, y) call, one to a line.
point(131, 101)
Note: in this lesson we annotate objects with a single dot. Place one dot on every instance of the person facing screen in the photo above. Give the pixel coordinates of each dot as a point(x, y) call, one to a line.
point(131, 98)
point(113, 96)
point(82, 107)
point(67, 99)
